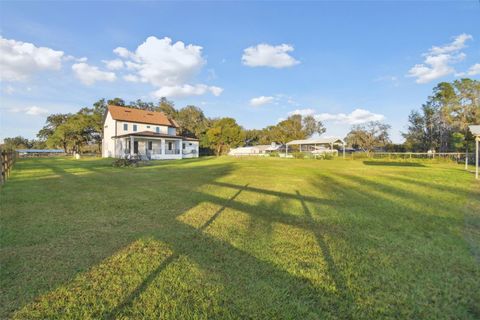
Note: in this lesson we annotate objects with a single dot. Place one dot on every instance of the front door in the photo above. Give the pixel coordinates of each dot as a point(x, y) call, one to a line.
point(135, 147)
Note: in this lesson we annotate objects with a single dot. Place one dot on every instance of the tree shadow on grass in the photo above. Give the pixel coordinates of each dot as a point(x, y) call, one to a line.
point(52, 230)
point(249, 285)
point(393, 164)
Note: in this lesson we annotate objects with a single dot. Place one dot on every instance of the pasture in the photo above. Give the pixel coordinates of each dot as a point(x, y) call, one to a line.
point(250, 238)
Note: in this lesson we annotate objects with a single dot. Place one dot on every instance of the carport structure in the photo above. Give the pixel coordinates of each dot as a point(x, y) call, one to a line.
point(475, 129)
point(315, 144)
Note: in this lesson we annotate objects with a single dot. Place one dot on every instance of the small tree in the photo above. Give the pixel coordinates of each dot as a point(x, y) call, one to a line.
point(369, 136)
point(224, 134)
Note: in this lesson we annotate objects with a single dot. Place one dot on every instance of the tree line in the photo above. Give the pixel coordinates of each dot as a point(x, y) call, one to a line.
point(442, 122)
point(83, 131)
point(441, 125)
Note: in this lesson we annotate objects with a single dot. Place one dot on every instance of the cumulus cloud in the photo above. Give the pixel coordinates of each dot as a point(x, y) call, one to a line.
point(166, 65)
point(115, 64)
point(472, 71)
point(260, 101)
point(31, 111)
point(357, 116)
point(265, 55)
point(19, 60)
point(438, 60)
point(302, 112)
point(88, 74)
point(186, 90)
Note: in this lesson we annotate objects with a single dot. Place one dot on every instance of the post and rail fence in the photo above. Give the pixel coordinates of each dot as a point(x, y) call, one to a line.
point(7, 161)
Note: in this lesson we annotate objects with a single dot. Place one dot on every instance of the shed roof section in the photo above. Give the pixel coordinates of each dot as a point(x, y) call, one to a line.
point(316, 141)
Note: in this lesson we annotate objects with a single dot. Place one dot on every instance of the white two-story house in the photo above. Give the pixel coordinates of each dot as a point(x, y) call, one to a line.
point(128, 131)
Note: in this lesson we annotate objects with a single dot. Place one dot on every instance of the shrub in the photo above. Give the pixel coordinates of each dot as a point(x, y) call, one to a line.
point(298, 155)
point(125, 163)
point(325, 156)
point(274, 154)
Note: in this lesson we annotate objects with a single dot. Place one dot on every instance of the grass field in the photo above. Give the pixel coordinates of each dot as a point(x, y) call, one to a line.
point(240, 238)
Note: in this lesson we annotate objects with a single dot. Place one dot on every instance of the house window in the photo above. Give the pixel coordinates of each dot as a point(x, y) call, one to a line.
point(150, 145)
point(134, 127)
point(125, 126)
point(157, 129)
point(183, 145)
point(148, 127)
point(170, 146)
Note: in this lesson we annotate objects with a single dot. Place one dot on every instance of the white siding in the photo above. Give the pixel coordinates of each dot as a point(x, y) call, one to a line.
point(108, 144)
point(172, 131)
point(140, 127)
point(190, 150)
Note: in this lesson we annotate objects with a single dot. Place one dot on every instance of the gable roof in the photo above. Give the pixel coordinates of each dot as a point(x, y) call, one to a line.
point(475, 129)
point(141, 116)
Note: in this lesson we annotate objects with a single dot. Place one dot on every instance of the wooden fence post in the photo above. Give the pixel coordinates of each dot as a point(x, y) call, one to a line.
point(7, 160)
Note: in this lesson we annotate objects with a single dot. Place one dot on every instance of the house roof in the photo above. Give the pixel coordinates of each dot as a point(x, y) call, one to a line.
point(151, 134)
point(316, 141)
point(141, 116)
point(475, 129)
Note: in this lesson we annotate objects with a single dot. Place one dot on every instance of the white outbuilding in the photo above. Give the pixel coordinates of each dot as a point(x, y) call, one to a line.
point(475, 130)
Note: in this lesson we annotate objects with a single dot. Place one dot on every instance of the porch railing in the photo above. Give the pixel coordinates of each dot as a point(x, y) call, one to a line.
point(174, 151)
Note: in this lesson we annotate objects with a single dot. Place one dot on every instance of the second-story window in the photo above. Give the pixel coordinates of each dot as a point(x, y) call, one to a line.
point(134, 127)
point(157, 129)
point(125, 126)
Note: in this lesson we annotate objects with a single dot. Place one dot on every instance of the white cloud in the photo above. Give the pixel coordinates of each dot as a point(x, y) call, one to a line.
point(88, 74)
point(260, 101)
point(357, 116)
point(32, 111)
point(131, 78)
point(115, 64)
point(302, 112)
point(19, 60)
point(123, 52)
point(457, 45)
point(186, 90)
point(265, 55)
point(438, 60)
point(167, 66)
point(472, 71)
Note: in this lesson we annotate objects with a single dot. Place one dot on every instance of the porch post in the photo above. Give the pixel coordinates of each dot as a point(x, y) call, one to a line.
point(477, 139)
point(162, 147)
point(131, 145)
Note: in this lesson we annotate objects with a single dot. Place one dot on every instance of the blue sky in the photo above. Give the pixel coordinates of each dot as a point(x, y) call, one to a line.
point(344, 62)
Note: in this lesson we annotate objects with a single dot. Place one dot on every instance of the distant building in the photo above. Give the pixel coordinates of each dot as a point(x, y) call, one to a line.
point(39, 152)
point(259, 150)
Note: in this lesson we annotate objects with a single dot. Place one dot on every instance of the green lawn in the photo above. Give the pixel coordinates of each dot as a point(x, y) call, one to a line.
point(240, 238)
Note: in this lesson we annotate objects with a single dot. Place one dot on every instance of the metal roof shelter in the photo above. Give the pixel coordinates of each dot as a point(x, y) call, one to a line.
point(39, 151)
point(475, 129)
point(317, 142)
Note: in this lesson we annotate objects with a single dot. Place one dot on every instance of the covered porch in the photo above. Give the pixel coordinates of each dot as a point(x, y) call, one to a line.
point(318, 146)
point(149, 147)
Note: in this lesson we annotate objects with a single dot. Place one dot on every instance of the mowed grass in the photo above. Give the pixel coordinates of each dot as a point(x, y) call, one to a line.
point(224, 238)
